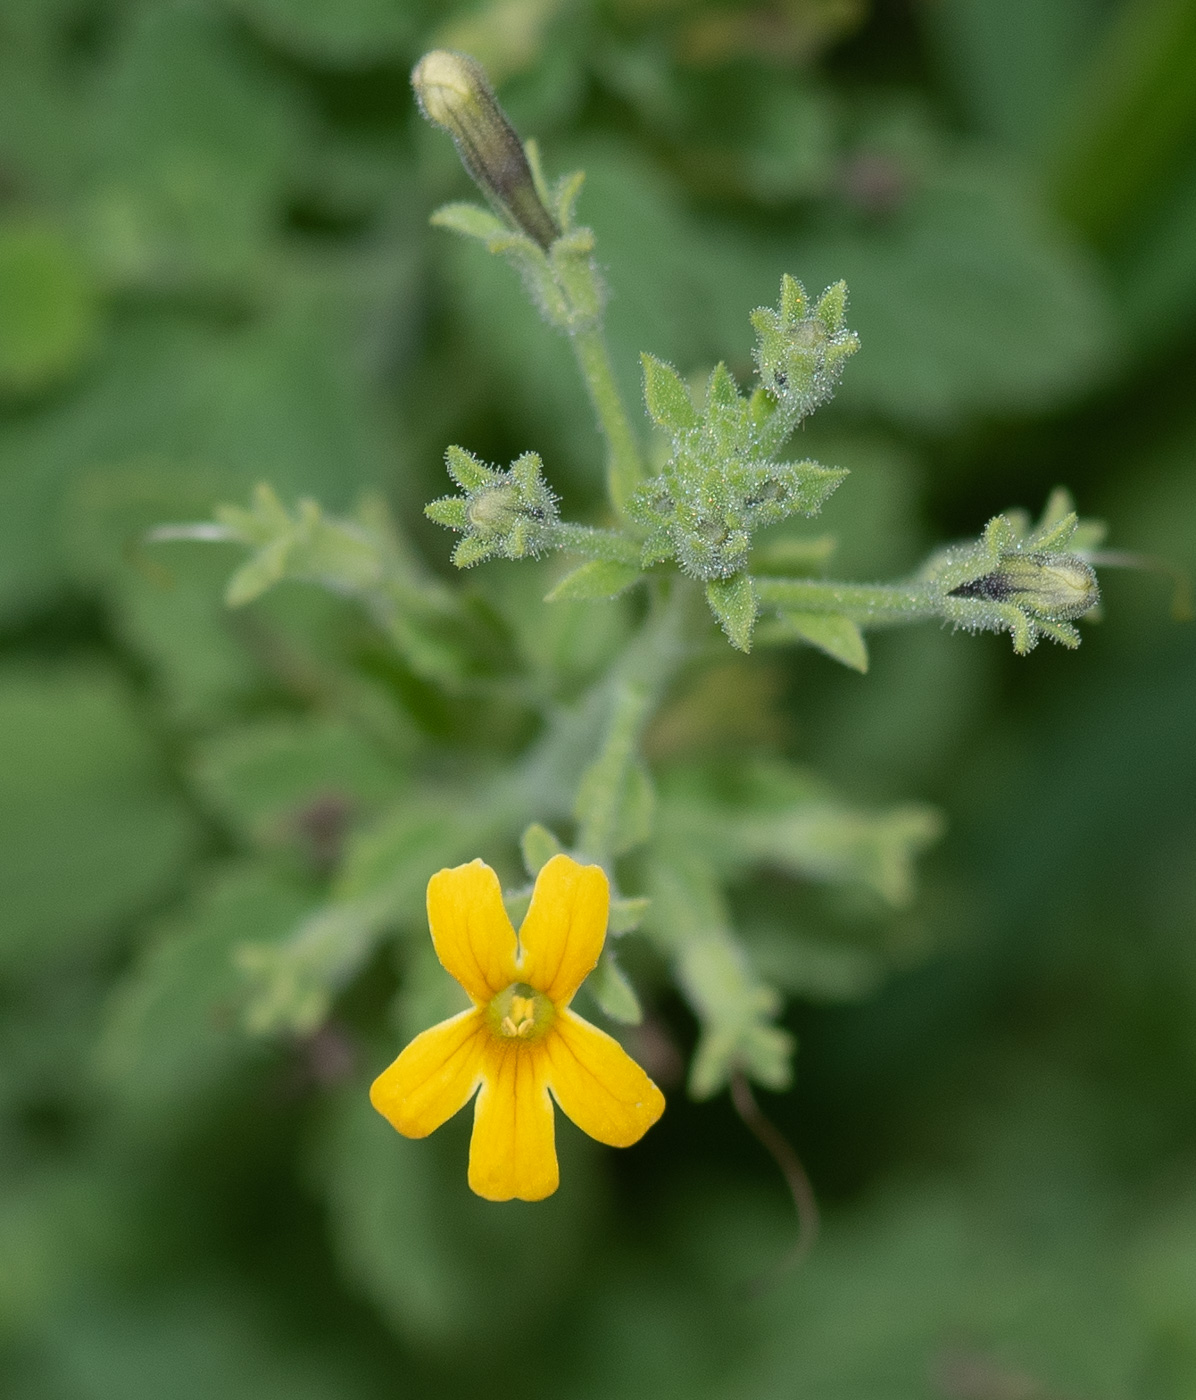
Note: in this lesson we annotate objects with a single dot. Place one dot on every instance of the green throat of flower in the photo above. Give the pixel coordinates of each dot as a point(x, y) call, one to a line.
point(520, 1013)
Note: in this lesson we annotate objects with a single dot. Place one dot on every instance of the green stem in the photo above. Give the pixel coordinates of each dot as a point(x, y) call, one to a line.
point(874, 604)
point(601, 794)
point(633, 692)
point(554, 768)
point(595, 543)
point(624, 464)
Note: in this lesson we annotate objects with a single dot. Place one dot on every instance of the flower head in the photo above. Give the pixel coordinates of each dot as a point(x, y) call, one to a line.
point(520, 1040)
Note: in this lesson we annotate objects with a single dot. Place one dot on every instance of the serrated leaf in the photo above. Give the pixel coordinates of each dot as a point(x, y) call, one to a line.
point(1021, 320)
point(823, 839)
point(613, 992)
point(733, 602)
point(832, 633)
point(597, 578)
point(667, 397)
point(688, 920)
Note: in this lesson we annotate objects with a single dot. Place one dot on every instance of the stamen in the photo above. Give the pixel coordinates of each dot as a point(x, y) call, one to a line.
point(521, 1013)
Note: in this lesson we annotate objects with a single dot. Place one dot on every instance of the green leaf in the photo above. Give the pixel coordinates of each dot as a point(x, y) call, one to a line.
point(434, 1260)
point(472, 221)
point(49, 308)
point(210, 1339)
point(427, 995)
point(196, 143)
point(381, 884)
point(733, 602)
point(295, 781)
point(538, 846)
point(636, 809)
point(172, 1033)
point(259, 573)
point(838, 636)
point(613, 992)
point(597, 578)
point(829, 842)
point(688, 919)
point(816, 971)
point(667, 397)
point(90, 832)
point(1013, 65)
point(972, 300)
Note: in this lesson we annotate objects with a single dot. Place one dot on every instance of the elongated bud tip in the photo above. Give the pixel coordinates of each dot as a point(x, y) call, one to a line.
point(454, 93)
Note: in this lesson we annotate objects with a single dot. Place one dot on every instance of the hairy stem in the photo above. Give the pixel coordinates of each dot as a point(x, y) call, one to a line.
point(875, 604)
point(624, 463)
point(594, 543)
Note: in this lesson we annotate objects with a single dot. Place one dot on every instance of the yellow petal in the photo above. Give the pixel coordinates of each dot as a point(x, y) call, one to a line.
point(512, 1153)
point(598, 1084)
point(434, 1076)
point(470, 929)
point(565, 927)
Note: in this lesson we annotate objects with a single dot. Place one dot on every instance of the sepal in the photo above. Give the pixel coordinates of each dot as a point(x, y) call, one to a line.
point(733, 603)
point(720, 483)
point(613, 992)
point(597, 578)
point(800, 353)
point(833, 633)
point(1029, 582)
point(509, 514)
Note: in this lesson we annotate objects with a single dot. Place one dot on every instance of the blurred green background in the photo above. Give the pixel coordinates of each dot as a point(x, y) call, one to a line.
point(216, 268)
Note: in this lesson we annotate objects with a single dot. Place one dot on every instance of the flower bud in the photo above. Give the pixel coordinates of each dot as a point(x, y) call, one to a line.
point(454, 94)
point(1053, 587)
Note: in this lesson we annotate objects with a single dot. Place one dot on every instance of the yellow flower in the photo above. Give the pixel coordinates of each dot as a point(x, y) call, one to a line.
point(519, 1040)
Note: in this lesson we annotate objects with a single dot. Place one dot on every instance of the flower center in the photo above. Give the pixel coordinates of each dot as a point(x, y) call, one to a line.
point(520, 1013)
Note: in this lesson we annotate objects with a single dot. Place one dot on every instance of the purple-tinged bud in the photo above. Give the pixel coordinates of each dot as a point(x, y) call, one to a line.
point(1054, 587)
point(454, 93)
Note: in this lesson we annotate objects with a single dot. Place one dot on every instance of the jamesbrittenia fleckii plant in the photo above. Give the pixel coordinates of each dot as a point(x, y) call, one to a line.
point(685, 830)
